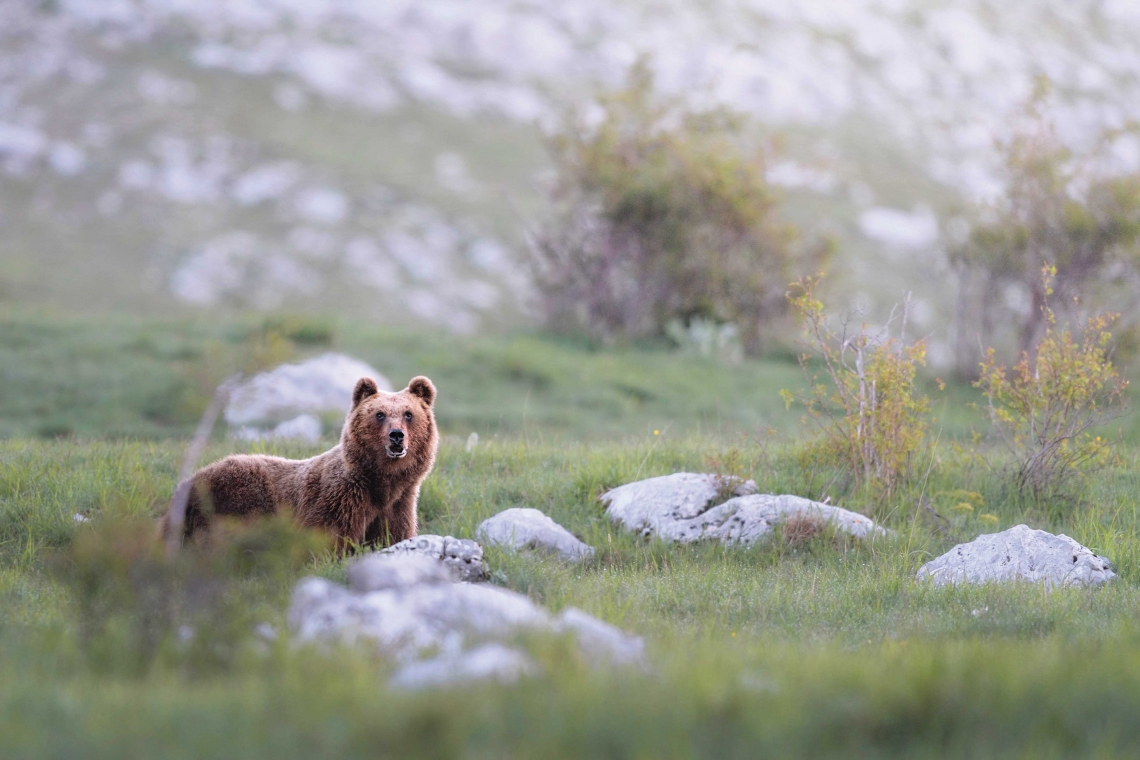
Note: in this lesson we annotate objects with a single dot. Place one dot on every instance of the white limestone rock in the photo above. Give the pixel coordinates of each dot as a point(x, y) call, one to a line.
point(522, 528)
point(317, 386)
point(304, 427)
point(654, 506)
point(405, 622)
point(438, 631)
point(381, 572)
point(462, 556)
point(485, 662)
point(684, 507)
point(600, 641)
point(1019, 554)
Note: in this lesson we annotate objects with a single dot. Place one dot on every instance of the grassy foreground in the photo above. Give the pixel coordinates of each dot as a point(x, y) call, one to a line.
point(817, 649)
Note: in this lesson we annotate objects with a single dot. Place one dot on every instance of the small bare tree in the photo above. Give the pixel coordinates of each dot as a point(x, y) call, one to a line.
point(871, 418)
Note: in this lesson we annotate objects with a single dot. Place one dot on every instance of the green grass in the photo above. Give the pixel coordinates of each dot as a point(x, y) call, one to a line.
point(151, 379)
point(129, 377)
point(824, 649)
point(827, 649)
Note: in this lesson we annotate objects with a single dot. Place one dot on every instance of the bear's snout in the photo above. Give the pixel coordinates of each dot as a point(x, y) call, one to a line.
point(396, 444)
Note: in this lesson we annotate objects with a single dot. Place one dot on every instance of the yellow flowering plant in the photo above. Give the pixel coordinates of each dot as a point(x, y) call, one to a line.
point(1045, 408)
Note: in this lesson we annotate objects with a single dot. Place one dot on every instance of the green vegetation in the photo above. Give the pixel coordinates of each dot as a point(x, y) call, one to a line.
point(869, 415)
point(816, 649)
point(151, 378)
point(1044, 408)
point(663, 215)
point(806, 646)
point(1058, 210)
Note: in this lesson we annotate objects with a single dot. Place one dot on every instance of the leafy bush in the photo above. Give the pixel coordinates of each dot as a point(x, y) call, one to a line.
point(134, 602)
point(1057, 209)
point(1046, 406)
point(302, 329)
point(662, 214)
point(870, 416)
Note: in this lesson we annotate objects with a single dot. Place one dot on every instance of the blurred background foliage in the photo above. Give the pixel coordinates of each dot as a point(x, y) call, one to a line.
point(673, 166)
point(1058, 209)
point(664, 215)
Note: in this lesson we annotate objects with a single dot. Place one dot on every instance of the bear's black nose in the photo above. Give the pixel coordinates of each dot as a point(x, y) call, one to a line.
point(396, 436)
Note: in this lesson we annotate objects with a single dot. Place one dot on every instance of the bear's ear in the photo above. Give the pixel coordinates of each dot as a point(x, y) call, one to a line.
point(365, 387)
point(422, 387)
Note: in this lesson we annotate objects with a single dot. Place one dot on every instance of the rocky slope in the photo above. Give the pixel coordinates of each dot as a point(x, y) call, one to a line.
point(386, 158)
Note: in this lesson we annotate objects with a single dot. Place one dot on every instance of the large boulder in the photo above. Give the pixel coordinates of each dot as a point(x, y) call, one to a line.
point(522, 528)
point(322, 385)
point(1019, 554)
point(491, 661)
point(414, 570)
point(303, 427)
point(688, 507)
point(438, 631)
point(461, 556)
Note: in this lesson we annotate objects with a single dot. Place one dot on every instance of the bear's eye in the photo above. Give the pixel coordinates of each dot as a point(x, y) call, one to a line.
point(408, 416)
point(380, 416)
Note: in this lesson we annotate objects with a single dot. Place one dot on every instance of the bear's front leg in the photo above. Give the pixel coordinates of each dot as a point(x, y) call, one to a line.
point(394, 524)
point(378, 534)
point(404, 524)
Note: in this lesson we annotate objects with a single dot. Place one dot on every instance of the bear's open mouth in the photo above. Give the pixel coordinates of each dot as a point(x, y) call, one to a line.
point(395, 452)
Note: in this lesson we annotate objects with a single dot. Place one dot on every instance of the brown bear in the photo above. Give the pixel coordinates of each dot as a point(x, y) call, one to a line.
point(362, 491)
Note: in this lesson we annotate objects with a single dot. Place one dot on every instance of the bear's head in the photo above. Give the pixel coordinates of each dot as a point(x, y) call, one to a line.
point(391, 430)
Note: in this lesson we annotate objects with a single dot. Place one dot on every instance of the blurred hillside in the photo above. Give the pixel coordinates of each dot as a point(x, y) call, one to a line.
point(384, 160)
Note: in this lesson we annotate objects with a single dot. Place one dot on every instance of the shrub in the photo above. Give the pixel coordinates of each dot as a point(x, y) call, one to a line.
point(661, 214)
point(1057, 209)
point(302, 329)
point(1046, 406)
point(135, 602)
point(871, 419)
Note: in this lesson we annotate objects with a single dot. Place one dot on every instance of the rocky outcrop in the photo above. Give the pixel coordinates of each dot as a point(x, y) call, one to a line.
point(439, 632)
point(688, 507)
point(1019, 554)
point(529, 529)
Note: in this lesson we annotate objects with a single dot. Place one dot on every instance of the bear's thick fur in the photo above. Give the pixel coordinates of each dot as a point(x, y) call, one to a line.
point(362, 491)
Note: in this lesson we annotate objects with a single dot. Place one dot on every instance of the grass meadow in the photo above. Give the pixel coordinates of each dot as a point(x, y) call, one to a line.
point(818, 648)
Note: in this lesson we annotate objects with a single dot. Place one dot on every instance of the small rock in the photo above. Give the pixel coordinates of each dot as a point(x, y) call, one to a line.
point(680, 507)
point(522, 528)
point(317, 386)
point(486, 662)
point(1019, 553)
point(462, 556)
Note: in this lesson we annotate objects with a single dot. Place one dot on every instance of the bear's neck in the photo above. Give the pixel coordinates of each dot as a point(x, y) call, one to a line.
point(362, 465)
